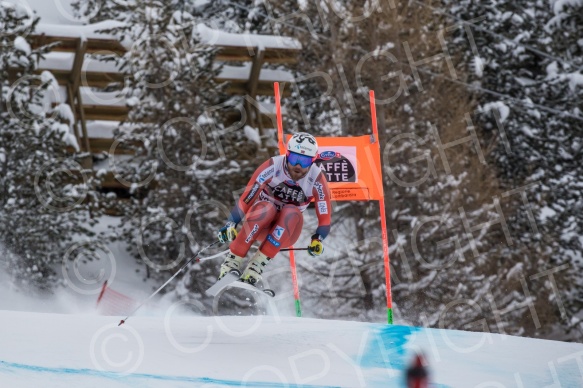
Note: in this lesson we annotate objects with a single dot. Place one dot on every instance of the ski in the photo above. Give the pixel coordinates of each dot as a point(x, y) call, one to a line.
point(250, 287)
point(222, 283)
point(231, 279)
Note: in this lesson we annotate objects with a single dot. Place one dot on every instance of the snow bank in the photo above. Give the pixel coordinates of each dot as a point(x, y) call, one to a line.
point(262, 351)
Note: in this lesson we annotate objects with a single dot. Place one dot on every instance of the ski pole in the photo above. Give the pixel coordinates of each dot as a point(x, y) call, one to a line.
point(293, 249)
point(195, 257)
point(201, 259)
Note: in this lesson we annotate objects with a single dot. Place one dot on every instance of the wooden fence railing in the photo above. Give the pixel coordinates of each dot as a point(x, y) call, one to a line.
point(247, 77)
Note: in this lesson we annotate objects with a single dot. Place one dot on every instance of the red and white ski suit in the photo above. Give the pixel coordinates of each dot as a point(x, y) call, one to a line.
point(272, 205)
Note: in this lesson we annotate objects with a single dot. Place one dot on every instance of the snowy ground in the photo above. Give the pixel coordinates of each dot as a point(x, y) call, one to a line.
point(60, 340)
point(163, 346)
point(174, 350)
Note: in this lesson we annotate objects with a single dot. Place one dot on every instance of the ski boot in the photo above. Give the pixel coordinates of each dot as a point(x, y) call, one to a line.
point(252, 273)
point(231, 264)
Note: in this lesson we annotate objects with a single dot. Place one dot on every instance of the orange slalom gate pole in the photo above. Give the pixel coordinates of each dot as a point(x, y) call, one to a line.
point(278, 114)
point(292, 263)
point(292, 259)
point(385, 238)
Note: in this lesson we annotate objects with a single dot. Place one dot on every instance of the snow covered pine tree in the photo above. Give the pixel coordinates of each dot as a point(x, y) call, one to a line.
point(44, 191)
point(531, 55)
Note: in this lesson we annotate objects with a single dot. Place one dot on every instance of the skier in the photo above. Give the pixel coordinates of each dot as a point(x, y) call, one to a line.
point(417, 375)
point(272, 205)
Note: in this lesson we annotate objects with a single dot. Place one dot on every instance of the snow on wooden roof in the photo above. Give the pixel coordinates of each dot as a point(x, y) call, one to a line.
point(57, 18)
point(100, 74)
point(221, 38)
point(231, 73)
point(64, 61)
point(53, 12)
point(88, 31)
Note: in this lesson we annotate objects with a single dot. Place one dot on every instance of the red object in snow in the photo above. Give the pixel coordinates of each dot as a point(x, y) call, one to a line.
point(417, 374)
point(111, 302)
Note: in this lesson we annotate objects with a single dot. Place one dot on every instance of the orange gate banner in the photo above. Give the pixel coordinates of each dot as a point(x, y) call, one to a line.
point(352, 166)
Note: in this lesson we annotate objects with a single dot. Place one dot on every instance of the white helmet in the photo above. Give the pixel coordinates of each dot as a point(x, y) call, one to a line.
point(303, 143)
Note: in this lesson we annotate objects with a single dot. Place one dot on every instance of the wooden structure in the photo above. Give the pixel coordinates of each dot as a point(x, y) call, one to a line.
point(76, 78)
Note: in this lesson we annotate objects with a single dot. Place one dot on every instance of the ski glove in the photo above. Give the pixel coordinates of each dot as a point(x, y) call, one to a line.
point(316, 248)
point(228, 232)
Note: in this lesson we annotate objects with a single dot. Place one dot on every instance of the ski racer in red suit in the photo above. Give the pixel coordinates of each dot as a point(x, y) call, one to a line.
point(272, 205)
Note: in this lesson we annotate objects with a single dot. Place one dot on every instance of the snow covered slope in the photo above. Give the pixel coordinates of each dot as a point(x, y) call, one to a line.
point(57, 350)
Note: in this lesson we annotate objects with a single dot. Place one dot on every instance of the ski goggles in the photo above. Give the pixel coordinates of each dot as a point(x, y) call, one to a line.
point(304, 161)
